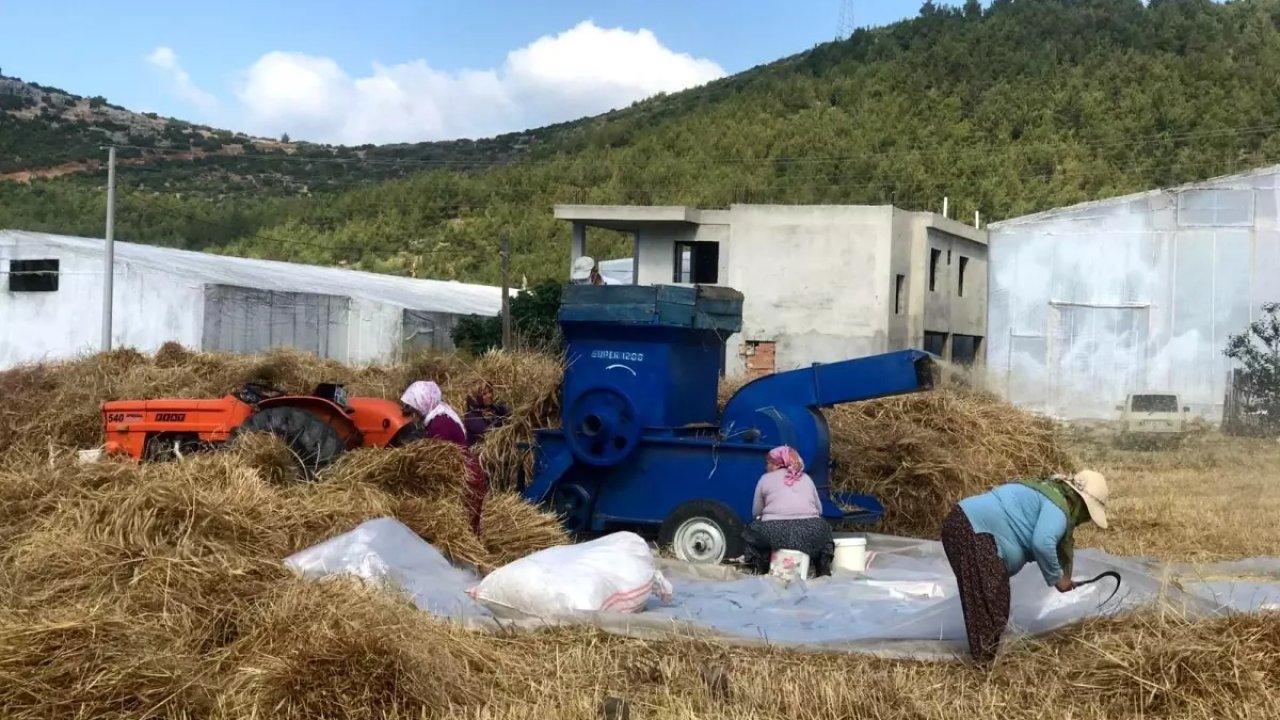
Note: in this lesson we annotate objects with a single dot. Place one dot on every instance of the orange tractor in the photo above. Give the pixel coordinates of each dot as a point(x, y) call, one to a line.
point(317, 427)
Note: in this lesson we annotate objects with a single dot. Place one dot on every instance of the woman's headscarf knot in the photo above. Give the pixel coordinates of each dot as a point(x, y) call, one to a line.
point(786, 457)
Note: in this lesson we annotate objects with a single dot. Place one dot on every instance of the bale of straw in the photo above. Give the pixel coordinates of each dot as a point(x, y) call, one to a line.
point(161, 528)
point(172, 355)
point(428, 468)
point(97, 661)
point(275, 462)
point(502, 457)
point(338, 650)
point(512, 528)
point(921, 453)
point(32, 485)
point(445, 522)
point(530, 384)
point(319, 511)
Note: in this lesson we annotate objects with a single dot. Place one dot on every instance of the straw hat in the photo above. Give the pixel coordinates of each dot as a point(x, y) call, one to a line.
point(1092, 487)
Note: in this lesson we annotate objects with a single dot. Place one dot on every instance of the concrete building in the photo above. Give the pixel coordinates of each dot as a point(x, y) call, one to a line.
point(51, 299)
point(1137, 293)
point(821, 282)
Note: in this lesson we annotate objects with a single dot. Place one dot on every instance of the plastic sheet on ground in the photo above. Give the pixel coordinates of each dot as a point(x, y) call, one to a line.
point(904, 604)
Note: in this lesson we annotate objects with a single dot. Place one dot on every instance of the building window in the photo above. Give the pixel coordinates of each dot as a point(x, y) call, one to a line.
point(965, 349)
point(33, 275)
point(696, 263)
point(934, 257)
point(899, 284)
point(935, 343)
point(964, 264)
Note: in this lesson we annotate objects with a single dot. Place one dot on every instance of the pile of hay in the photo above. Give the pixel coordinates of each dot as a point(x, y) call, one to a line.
point(157, 590)
point(58, 404)
point(920, 453)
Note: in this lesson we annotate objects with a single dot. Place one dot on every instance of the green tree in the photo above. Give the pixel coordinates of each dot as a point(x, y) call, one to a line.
point(535, 323)
point(1257, 350)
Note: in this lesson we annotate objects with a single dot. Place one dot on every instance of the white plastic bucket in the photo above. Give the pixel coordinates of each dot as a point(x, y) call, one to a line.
point(851, 554)
point(789, 564)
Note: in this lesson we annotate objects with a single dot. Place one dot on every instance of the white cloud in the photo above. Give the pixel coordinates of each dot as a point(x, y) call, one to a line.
point(582, 71)
point(180, 82)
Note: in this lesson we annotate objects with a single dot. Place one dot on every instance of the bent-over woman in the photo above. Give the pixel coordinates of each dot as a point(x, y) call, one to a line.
point(988, 538)
point(787, 515)
point(441, 422)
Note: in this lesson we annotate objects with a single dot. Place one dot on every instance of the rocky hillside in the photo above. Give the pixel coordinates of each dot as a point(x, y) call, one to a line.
point(46, 132)
point(1018, 107)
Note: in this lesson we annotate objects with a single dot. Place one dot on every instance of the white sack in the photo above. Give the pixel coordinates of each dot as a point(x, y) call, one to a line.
point(616, 573)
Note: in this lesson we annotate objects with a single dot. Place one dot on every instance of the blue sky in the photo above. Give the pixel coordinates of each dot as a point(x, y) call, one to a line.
point(403, 70)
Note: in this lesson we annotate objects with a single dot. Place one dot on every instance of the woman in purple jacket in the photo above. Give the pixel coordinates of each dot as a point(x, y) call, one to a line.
point(483, 414)
point(440, 421)
point(787, 515)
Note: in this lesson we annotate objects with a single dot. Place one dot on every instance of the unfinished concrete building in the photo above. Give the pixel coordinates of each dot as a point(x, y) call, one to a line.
point(822, 283)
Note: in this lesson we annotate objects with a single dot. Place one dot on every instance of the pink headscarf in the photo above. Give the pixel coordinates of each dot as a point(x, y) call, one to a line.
point(785, 457)
point(425, 397)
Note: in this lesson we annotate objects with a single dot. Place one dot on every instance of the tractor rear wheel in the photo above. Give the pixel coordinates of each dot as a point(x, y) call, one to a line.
point(315, 443)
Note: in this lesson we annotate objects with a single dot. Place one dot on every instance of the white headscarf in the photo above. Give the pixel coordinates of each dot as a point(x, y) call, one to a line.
point(425, 397)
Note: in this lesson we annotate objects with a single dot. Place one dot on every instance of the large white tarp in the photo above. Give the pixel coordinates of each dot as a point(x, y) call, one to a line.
point(904, 604)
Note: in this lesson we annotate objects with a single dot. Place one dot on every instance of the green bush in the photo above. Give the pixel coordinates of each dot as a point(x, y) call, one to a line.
point(535, 323)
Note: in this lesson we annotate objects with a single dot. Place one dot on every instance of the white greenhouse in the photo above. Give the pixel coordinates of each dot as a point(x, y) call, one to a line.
point(1138, 293)
point(51, 289)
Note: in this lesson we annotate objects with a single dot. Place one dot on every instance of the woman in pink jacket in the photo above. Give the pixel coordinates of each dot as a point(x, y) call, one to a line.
point(787, 515)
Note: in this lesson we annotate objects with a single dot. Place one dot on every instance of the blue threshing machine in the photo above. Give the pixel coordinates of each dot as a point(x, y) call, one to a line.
point(641, 445)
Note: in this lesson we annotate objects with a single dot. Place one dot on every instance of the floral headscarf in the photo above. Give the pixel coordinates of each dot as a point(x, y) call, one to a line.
point(785, 456)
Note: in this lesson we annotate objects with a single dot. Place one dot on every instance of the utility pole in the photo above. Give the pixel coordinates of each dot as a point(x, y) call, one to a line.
point(506, 293)
point(109, 255)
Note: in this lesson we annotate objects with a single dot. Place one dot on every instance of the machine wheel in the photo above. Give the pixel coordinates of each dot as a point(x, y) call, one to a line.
point(572, 503)
point(602, 427)
point(703, 531)
point(315, 443)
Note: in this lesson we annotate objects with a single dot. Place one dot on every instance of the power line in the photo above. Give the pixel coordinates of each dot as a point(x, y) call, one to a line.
point(951, 150)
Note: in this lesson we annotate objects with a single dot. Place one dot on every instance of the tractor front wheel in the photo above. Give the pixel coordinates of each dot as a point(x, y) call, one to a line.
point(703, 531)
point(314, 443)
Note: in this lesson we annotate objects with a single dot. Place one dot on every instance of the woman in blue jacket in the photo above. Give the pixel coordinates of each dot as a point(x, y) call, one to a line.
point(988, 538)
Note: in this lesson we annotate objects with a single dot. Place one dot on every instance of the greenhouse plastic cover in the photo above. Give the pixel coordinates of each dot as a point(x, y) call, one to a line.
point(206, 268)
point(903, 605)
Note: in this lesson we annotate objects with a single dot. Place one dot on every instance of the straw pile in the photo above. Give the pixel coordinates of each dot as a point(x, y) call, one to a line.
point(157, 591)
point(919, 454)
point(57, 404)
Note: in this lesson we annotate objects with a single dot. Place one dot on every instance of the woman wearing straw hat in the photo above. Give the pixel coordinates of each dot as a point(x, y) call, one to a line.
point(988, 538)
